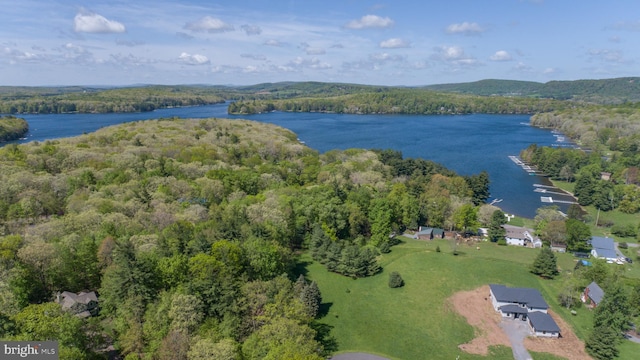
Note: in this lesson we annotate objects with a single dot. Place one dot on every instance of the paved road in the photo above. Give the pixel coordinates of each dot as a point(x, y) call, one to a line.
point(517, 331)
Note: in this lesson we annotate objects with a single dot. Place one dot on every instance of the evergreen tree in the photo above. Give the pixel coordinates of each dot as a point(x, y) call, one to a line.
point(614, 310)
point(578, 234)
point(369, 255)
point(299, 285)
point(311, 298)
point(395, 280)
point(545, 264)
point(479, 185)
point(496, 231)
point(602, 344)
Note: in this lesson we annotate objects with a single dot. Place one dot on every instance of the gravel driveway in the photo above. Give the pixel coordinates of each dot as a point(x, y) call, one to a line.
point(517, 330)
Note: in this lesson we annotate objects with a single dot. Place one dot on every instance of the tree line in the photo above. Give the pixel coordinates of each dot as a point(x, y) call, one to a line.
point(107, 101)
point(401, 101)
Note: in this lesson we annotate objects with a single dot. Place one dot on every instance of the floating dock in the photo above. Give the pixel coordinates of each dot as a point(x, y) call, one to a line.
point(526, 167)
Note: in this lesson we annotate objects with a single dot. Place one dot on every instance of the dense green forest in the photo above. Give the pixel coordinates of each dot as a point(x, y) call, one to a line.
point(136, 99)
point(401, 101)
point(12, 128)
point(605, 91)
point(189, 231)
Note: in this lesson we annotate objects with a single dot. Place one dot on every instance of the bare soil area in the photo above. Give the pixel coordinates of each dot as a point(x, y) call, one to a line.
point(475, 306)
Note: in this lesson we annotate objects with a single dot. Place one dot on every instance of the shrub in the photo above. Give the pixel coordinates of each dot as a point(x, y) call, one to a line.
point(502, 242)
point(438, 248)
point(395, 280)
point(623, 245)
point(624, 230)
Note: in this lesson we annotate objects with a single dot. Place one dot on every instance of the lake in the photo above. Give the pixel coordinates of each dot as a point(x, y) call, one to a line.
point(467, 144)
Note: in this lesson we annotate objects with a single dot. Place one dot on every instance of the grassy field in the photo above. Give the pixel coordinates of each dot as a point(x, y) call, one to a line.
point(416, 321)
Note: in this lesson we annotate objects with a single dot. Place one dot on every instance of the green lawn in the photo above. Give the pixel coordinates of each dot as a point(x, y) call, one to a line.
point(415, 321)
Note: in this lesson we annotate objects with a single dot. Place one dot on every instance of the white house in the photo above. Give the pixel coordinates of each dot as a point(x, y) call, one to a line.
point(603, 248)
point(526, 304)
point(520, 236)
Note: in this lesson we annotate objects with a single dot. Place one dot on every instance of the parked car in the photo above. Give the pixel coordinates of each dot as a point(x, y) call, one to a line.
point(628, 260)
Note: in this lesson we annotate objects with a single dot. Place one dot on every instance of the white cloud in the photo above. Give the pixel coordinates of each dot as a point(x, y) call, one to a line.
point(16, 56)
point(310, 50)
point(93, 23)
point(501, 55)
point(195, 59)
point(613, 56)
point(394, 43)
point(251, 29)
point(549, 71)
point(385, 57)
point(273, 42)
point(209, 24)
point(465, 28)
point(130, 43)
point(627, 25)
point(454, 55)
point(254, 56)
point(300, 63)
point(522, 67)
point(370, 21)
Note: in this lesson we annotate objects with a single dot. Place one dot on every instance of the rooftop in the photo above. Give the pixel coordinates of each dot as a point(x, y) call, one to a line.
point(529, 296)
point(543, 322)
point(595, 292)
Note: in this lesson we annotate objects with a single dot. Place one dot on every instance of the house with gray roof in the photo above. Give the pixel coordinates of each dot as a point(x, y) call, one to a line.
point(520, 236)
point(428, 233)
point(523, 303)
point(82, 304)
point(603, 248)
point(543, 325)
point(592, 295)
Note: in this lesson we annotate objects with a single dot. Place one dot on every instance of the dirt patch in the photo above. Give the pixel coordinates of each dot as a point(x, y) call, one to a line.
point(475, 306)
point(569, 346)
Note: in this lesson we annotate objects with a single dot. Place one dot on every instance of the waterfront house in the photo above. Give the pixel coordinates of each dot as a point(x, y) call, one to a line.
point(520, 236)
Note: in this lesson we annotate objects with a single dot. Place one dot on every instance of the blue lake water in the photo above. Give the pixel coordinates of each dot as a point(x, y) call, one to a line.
point(467, 144)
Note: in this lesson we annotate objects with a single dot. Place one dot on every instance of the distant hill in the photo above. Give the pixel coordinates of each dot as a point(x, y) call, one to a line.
point(605, 91)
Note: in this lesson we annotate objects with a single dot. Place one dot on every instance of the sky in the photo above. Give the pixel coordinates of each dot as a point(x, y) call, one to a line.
point(380, 42)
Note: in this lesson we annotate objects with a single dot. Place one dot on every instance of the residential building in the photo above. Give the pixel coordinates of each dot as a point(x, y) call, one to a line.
point(603, 248)
point(526, 304)
point(592, 295)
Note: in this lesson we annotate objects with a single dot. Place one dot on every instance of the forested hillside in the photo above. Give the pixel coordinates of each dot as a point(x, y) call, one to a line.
point(189, 231)
point(12, 128)
point(148, 98)
point(604, 91)
point(401, 101)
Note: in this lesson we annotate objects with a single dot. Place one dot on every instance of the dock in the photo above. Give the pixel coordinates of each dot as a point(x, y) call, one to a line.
point(526, 167)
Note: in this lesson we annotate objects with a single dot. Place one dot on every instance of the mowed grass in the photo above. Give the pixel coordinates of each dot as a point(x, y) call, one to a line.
point(417, 321)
